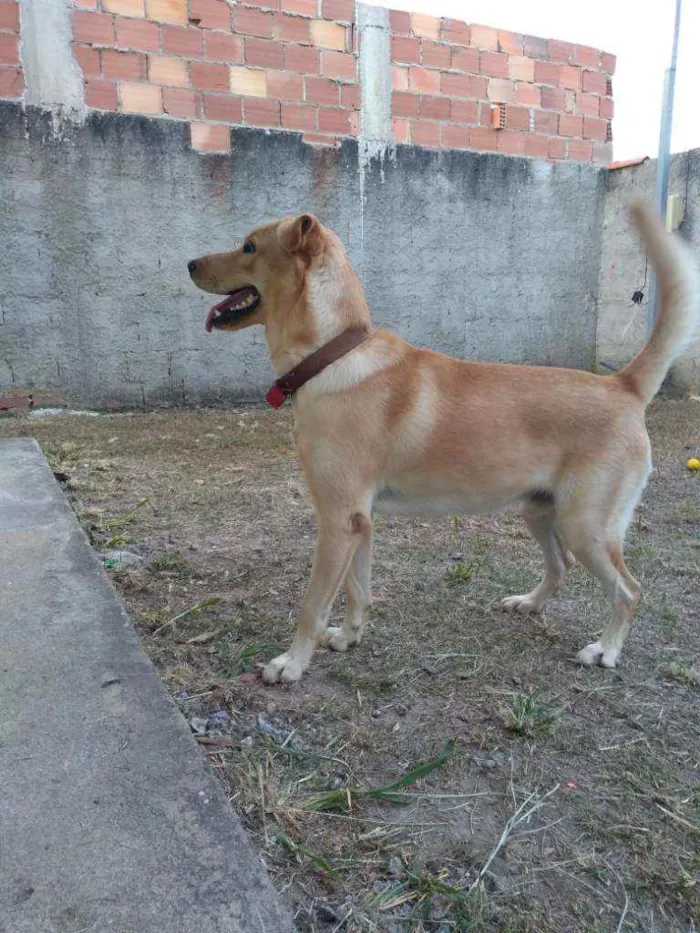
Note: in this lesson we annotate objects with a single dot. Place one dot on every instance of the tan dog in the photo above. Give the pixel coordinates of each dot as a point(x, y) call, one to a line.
point(392, 428)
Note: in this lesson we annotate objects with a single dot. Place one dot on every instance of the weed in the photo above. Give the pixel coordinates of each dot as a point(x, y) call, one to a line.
point(678, 670)
point(527, 716)
point(460, 573)
point(121, 521)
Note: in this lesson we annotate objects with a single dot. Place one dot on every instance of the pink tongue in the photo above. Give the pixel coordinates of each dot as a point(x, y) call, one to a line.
point(210, 320)
point(217, 309)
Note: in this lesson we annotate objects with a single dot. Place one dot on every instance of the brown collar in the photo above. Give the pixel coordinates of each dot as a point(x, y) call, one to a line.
point(287, 385)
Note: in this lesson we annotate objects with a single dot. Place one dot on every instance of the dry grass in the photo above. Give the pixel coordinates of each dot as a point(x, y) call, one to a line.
point(568, 799)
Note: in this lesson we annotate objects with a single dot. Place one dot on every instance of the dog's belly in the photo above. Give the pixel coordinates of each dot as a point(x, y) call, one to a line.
point(408, 499)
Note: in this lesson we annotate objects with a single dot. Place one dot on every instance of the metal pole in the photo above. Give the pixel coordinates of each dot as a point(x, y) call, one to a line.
point(664, 162)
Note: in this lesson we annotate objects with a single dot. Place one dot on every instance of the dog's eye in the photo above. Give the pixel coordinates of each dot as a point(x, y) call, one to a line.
point(249, 246)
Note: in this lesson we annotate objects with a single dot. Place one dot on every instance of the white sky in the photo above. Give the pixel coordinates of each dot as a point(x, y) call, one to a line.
point(639, 33)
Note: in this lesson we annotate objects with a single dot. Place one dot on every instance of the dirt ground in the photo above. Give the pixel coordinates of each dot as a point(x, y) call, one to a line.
point(456, 772)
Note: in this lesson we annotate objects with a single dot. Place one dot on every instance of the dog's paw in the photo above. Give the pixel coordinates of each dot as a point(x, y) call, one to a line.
point(283, 669)
point(595, 654)
point(335, 639)
point(523, 604)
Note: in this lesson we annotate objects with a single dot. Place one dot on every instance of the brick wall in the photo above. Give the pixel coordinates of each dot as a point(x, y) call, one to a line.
point(11, 76)
point(293, 65)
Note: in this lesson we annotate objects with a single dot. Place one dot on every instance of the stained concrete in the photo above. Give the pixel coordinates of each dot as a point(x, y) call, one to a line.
point(482, 256)
point(109, 817)
point(622, 325)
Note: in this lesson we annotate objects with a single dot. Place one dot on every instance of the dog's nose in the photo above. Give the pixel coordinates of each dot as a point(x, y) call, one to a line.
point(191, 266)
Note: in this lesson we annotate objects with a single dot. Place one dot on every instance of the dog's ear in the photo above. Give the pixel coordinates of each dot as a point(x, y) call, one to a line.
point(302, 234)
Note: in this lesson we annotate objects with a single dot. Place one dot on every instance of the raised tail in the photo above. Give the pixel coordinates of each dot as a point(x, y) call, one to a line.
point(678, 309)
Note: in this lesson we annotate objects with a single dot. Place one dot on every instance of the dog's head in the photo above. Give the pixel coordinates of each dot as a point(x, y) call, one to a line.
point(292, 275)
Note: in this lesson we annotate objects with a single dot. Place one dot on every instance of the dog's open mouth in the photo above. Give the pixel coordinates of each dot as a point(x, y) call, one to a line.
point(234, 307)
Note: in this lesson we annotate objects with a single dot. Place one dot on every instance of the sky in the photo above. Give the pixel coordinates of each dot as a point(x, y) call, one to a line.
point(639, 33)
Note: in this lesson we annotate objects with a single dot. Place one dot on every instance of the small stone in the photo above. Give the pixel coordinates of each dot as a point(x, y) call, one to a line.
point(247, 742)
point(199, 725)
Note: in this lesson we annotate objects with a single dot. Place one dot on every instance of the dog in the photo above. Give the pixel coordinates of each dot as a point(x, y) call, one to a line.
point(381, 426)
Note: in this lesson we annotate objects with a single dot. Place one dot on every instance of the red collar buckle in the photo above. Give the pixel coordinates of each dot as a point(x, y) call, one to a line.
point(276, 396)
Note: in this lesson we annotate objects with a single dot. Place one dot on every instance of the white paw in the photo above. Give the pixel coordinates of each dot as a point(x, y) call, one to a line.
point(283, 668)
point(610, 656)
point(335, 639)
point(523, 604)
point(591, 654)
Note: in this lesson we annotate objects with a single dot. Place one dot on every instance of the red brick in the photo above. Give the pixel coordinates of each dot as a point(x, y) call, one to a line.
point(528, 95)
point(421, 79)
point(510, 42)
point(266, 53)
point(267, 4)
point(428, 27)
point(93, 28)
point(534, 47)
point(465, 60)
point(454, 137)
point(285, 85)
point(518, 118)
point(494, 64)
point(481, 137)
point(304, 7)
point(128, 65)
point(607, 63)
point(184, 41)
point(9, 16)
point(456, 32)
point(537, 146)
point(259, 112)
point(252, 22)
point(434, 54)
point(511, 143)
point(501, 91)
point(595, 129)
point(123, 7)
point(405, 50)
point(401, 130)
point(547, 73)
point(223, 47)
point(399, 78)
point(405, 105)
point(350, 96)
point(400, 22)
point(88, 59)
point(557, 148)
point(425, 134)
point(338, 65)
point(303, 59)
point(464, 111)
point(207, 138)
point(587, 104)
point(463, 85)
point(167, 11)
point(11, 82)
point(570, 76)
point(299, 117)
point(102, 95)
point(607, 108)
point(292, 28)
point(484, 37)
point(546, 122)
point(342, 10)
point(222, 107)
point(553, 98)
point(561, 51)
point(180, 103)
point(317, 141)
point(570, 125)
point(86, 4)
point(595, 82)
point(586, 56)
point(137, 34)
point(321, 91)
point(210, 14)
point(209, 77)
point(434, 108)
point(602, 153)
point(581, 150)
point(333, 120)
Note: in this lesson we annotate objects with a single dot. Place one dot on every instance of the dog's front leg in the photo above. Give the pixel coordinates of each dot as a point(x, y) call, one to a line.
point(335, 546)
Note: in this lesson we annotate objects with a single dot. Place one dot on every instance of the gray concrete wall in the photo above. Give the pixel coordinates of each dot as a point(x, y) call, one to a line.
point(622, 327)
point(481, 256)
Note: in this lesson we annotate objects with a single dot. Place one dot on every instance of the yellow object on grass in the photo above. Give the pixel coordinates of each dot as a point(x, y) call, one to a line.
point(693, 464)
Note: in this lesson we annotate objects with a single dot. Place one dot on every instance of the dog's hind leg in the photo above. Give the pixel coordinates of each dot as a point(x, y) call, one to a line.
point(540, 520)
point(358, 583)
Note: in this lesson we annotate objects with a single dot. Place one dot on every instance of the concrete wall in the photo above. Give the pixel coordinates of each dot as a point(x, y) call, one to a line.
point(481, 256)
point(622, 328)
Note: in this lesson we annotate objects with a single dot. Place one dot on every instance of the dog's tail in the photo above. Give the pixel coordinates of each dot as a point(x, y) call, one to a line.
point(678, 309)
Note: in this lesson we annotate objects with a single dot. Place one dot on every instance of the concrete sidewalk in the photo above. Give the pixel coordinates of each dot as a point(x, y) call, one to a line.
point(109, 817)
